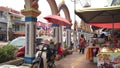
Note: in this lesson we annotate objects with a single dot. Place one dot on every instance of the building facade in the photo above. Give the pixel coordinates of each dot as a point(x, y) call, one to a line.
point(11, 24)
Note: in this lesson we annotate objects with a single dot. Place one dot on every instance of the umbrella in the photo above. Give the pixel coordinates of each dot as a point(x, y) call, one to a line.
point(58, 20)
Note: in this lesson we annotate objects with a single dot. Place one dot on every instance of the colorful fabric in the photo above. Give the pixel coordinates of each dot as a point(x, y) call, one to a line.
point(82, 42)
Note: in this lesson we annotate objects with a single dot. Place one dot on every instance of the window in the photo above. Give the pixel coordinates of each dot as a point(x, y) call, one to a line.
point(16, 27)
point(1, 13)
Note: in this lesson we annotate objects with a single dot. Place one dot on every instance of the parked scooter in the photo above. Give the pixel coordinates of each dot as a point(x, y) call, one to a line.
point(50, 55)
point(38, 61)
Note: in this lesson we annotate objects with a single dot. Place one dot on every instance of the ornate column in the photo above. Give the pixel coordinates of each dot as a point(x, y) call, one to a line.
point(60, 34)
point(31, 12)
point(55, 32)
point(68, 39)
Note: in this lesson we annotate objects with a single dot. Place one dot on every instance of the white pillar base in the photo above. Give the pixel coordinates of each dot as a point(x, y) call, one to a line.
point(30, 42)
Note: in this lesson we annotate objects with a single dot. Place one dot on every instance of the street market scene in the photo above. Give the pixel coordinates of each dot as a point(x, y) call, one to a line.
point(60, 34)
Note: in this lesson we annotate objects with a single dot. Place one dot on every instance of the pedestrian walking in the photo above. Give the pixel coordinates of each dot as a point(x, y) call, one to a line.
point(82, 42)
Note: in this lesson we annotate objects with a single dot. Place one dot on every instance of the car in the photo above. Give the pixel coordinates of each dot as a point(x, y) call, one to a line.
point(19, 42)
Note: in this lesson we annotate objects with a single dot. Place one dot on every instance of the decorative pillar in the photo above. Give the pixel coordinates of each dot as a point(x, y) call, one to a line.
point(55, 32)
point(68, 39)
point(31, 12)
point(60, 34)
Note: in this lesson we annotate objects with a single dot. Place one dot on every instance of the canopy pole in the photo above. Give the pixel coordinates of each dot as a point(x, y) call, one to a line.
point(113, 32)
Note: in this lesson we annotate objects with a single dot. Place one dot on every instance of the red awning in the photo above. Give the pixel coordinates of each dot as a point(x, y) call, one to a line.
point(106, 25)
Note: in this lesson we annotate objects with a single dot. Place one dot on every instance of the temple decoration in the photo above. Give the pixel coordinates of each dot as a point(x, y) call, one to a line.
point(31, 8)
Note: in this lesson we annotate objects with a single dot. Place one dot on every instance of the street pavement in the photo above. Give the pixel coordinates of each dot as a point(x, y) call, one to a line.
point(75, 60)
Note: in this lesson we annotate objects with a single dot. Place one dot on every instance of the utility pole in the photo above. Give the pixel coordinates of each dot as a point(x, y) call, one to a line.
point(8, 20)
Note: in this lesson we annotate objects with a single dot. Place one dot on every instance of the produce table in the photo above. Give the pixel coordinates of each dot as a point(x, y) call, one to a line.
point(108, 60)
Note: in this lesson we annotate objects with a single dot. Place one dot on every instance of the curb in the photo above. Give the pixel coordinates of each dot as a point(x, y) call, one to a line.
point(17, 61)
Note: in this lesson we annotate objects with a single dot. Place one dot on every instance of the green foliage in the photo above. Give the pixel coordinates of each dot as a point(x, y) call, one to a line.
point(7, 53)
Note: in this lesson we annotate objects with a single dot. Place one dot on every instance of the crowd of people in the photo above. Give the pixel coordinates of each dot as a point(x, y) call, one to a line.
point(110, 40)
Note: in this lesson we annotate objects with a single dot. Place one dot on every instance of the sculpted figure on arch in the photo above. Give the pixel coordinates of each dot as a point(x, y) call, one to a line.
point(32, 4)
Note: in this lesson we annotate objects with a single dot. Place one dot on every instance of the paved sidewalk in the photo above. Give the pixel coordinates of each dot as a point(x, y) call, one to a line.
point(75, 60)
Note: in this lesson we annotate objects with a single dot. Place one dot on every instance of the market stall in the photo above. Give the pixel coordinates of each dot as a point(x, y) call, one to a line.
point(103, 16)
point(109, 58)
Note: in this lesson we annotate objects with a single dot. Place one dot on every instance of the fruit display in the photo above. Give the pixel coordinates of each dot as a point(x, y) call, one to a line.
point(116, 49)
point(109, 58)
point(106, 49)
point(104, 57)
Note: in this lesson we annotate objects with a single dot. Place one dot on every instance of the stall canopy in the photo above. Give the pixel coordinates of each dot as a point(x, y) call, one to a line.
point(106, 17)
point(106, 25)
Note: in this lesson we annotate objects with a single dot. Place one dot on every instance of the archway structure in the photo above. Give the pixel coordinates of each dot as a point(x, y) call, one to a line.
point(62, 6)
point(56, 10)
point(53, 6)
